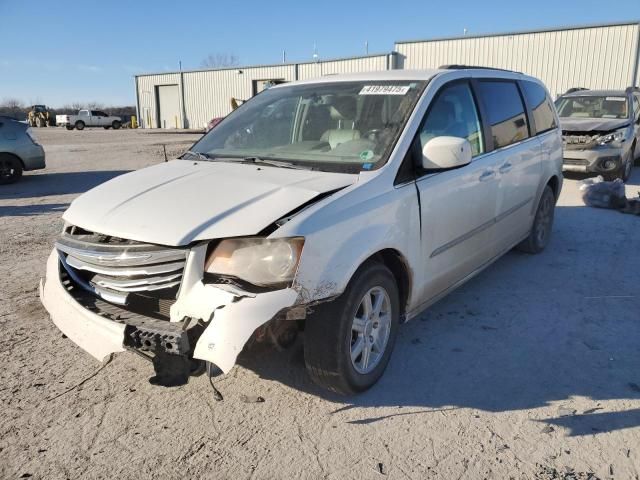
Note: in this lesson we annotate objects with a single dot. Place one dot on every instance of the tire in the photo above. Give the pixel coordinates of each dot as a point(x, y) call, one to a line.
point(69, 127)
point(116, 124)
point(542, 224)
point(10, 169)
point(628, 165)
point(80, 125)
point(107, 128)
point(331, 333)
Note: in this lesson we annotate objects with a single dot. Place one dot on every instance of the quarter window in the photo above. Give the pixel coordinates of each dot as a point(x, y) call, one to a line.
point(453, 113)
point(505, 112)
point(541, 106)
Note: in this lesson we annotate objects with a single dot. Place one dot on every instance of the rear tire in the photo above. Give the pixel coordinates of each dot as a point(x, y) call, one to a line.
point(107, 128)
point(80, 125)
point(10, 169)
point(116, 124)
point(347, 345)
point(69, 127)
point(542, 224)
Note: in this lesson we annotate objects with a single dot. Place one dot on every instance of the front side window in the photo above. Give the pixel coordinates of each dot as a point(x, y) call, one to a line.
point(593, 106)
point(541, 106)
point(453, 113)
point(505, 111)
point(342, 126)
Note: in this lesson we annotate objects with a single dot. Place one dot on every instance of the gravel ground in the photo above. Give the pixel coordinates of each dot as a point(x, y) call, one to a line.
point(528, 371)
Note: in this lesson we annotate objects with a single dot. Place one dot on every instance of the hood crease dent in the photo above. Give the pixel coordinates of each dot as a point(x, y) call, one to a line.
point(179, 202)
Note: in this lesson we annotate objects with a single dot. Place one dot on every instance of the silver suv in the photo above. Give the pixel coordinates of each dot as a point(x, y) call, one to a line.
point(600, 131)
point(19, 150)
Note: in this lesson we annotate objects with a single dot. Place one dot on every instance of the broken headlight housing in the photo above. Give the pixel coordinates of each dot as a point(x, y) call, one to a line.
point(617, 136)
point(264, 262)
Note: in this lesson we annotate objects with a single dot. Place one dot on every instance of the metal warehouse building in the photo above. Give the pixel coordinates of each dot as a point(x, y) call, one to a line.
point(594, 56)
point(597, 56)
point(189, 99)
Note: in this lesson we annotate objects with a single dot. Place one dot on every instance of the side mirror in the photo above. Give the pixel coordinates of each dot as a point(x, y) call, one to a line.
point(441, 153)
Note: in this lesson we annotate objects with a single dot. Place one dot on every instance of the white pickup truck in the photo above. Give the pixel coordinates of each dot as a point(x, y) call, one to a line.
point(89, 118)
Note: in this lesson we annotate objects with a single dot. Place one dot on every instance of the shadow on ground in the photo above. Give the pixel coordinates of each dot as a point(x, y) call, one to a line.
point(33, 185)
point(31, 210)
point(528, 331)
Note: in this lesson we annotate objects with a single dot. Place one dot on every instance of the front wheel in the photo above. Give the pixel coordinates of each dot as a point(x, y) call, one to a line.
point(348, 342)
point(116, 124)
point(542, 224)
point(80, 125)
point(69, 127)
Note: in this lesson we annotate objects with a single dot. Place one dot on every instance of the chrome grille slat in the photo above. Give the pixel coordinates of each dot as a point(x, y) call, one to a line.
point(133, 284)
point(79, 264)
point(116, 269)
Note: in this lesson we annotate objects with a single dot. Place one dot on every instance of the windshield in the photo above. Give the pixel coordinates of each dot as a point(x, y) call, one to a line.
point(343, 127)
point(592, 107)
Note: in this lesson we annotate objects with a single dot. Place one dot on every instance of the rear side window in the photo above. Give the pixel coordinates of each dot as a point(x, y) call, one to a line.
point(505, 112)
point(540, 105)
point(453, 113)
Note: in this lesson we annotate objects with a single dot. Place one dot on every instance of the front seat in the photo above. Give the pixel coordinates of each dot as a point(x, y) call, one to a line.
point(342, 110)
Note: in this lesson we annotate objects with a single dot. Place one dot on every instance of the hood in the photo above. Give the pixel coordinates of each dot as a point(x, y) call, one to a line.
point(592, 124)
point(181, 201)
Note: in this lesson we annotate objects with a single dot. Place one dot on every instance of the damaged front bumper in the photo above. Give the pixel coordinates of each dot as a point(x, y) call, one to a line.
point(207, 322)
point(596, 160)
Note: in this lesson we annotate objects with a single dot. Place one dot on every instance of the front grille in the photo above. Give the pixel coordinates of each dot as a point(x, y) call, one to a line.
point(141, 276)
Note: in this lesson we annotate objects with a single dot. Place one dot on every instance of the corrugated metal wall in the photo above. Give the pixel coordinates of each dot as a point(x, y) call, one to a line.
point(350, 65)
point(208, 93)
point(148, 103)
point(591, 57)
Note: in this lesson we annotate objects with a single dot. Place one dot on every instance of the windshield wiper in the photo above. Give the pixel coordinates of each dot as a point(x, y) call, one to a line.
point(274, 163)
point(198, 155)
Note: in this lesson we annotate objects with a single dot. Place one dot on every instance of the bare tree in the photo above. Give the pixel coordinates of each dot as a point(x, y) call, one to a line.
point(220, 60)
point(12, 107)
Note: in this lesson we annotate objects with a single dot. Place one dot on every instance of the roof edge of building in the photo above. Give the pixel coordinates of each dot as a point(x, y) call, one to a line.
point(268, 65)
point(521, 32)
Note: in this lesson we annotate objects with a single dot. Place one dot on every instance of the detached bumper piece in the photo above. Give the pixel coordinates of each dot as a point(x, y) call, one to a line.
point(168, 345)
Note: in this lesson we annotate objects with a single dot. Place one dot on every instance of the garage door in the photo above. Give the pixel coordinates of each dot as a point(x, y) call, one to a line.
point(168, 106)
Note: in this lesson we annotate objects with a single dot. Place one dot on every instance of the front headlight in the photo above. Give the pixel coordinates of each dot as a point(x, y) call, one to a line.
point(617, 136)
point(259, 261)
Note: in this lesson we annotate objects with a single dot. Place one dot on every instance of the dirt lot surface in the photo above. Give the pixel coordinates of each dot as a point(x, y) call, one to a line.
point(531, 370)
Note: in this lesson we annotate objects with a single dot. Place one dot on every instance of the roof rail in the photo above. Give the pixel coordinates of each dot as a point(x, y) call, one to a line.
point(575, 89)
point(473, 67)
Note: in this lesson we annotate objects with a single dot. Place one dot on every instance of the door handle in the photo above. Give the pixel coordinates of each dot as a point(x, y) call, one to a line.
point(505, 167)
point(487, 175)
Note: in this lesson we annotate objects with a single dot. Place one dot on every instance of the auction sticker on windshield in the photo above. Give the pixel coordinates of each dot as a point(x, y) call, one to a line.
point(384, 90)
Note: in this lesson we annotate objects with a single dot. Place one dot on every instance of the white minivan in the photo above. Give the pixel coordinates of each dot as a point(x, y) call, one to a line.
point(338, 208)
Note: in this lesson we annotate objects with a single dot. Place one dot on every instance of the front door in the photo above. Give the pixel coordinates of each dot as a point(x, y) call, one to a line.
point(458, 207)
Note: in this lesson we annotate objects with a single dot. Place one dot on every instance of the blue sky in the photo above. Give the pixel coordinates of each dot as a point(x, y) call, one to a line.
point(89, 50)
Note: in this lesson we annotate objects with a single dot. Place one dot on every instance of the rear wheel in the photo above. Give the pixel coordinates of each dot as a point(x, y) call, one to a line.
point(69, 127)
point(80, 125)
point(107, 128)
point(10, 169)
point(348, 342)
point(116, 124)
point(542, 224)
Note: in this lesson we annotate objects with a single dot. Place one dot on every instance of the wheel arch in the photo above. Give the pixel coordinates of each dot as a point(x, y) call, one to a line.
point(554, 183)
point(11, 154)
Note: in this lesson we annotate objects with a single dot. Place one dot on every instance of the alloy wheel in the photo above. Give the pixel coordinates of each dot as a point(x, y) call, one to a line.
point(370, 330)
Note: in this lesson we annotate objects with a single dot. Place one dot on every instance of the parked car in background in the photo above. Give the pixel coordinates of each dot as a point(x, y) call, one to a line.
point(89, 118)
point(19, 150)
point(212, 123)
point(601, 131)
point(342, 206)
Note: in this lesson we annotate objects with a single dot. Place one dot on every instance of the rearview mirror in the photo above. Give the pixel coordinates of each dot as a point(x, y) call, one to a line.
point(441, 153)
